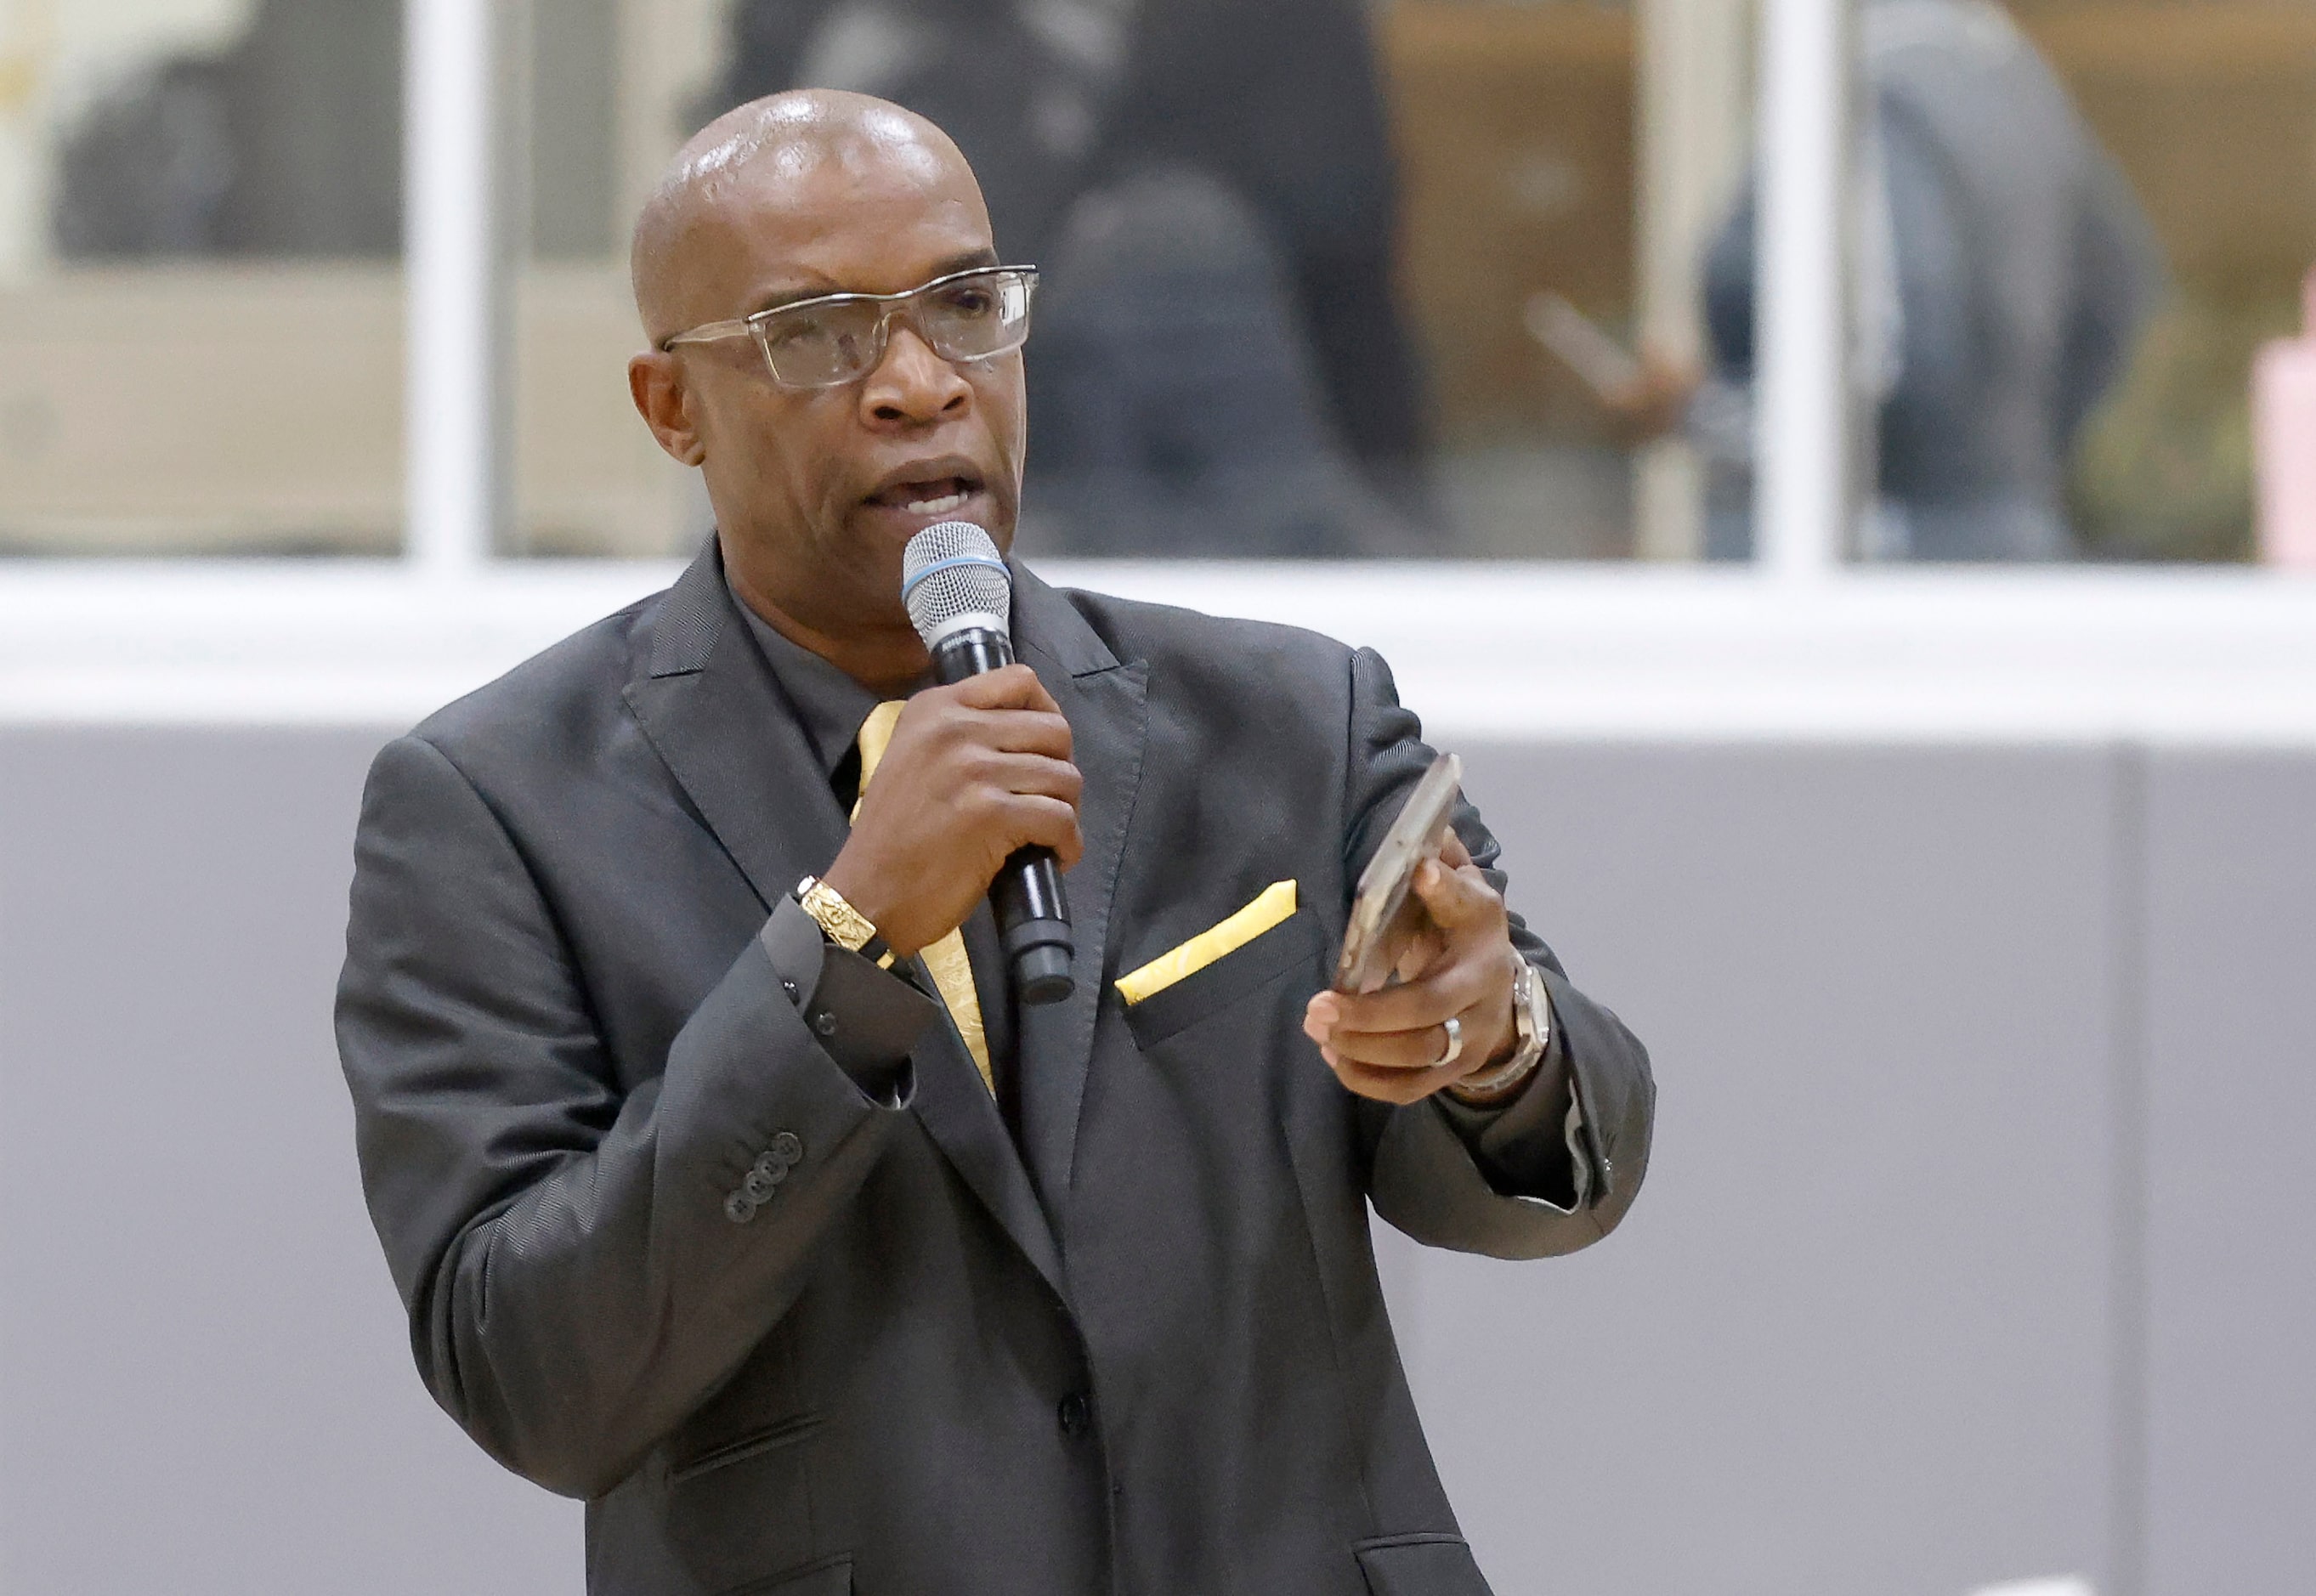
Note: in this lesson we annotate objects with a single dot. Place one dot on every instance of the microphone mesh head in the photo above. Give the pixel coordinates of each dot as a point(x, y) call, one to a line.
point(951, 571)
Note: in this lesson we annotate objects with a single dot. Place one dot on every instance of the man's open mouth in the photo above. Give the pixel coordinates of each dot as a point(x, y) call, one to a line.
point(941, 496)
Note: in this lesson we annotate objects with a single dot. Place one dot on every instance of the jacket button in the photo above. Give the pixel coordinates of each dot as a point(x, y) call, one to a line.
point(825, 1023)
point(758, 1187)
point(788, 1147)
point(1073, 1414)
point(738, 1208)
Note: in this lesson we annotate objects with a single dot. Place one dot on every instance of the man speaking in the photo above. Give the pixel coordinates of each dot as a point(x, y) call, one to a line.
point(729, 1181)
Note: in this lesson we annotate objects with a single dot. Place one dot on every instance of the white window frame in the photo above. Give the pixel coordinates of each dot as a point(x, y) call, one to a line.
point(1802, 643)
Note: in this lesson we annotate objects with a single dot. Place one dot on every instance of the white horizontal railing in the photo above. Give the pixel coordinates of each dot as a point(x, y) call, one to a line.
point(1482, 651)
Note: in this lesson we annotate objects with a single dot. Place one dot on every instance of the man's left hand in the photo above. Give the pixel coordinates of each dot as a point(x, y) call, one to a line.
point(1386, 1045)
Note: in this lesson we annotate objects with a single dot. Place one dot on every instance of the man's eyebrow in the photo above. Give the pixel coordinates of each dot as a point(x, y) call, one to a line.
point(774, 298)
point(970, 260)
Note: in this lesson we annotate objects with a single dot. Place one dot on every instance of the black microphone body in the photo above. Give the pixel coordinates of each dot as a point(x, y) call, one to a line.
point(1033, 917)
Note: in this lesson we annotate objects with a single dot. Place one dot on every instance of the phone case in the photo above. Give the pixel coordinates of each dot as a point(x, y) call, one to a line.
point(1382, 902)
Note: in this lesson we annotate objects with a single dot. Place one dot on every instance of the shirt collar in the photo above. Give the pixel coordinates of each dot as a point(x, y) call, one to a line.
point(831, 704)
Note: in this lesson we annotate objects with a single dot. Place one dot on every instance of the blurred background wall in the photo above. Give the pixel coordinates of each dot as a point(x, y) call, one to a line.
point(1974, 1248)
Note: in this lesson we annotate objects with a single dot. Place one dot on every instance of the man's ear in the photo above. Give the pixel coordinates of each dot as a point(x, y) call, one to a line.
point(655, 382)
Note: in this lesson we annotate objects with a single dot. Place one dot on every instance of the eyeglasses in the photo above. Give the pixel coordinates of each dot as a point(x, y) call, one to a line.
point(839, 338)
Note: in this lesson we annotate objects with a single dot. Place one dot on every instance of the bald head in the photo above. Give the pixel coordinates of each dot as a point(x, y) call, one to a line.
point(818, 488)
point(779, 159)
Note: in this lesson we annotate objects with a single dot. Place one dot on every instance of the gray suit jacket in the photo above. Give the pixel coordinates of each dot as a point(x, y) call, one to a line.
point(1141, 1350)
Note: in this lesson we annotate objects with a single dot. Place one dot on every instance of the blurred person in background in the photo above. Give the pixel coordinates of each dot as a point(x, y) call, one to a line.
point(2005, 271)
point(286, 143)
point(1226, 369)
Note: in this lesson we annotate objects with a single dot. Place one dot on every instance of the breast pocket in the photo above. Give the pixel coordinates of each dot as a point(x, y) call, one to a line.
point(1419, 1566)
point(1295, 942)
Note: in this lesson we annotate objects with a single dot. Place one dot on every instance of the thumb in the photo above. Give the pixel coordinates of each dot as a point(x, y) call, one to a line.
point(1447, 894)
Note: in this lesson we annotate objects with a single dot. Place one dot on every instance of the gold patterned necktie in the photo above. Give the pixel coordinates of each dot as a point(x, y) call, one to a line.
point(946, 959)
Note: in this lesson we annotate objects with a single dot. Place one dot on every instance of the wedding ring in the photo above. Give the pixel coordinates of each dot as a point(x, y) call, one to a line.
point(1455, 1045)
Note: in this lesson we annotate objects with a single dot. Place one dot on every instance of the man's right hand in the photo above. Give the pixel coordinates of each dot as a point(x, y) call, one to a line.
point(974, 773)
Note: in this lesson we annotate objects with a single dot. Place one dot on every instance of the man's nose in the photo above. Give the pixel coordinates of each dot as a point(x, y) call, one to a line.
point(912, 386)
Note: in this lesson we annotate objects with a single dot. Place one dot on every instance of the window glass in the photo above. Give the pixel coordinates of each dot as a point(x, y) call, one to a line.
point(2209, 110)
point(200, 303)
point(2079, 220)
point(611, 91)
point(1515, 136)
point(1289, 252)
point(1338, 278)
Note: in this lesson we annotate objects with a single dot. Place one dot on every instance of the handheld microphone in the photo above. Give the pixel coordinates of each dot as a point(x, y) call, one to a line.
point(960, 599)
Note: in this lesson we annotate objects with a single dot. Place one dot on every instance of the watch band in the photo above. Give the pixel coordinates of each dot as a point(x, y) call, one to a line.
point(1531, 1024)
point(841, 922)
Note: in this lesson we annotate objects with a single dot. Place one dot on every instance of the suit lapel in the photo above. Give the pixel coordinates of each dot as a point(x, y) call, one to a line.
point(961, 1117)
point(1107, 706)
point(712, 709)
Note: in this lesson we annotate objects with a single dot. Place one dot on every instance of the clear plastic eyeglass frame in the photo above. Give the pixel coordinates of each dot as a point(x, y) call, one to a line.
point(835, 339)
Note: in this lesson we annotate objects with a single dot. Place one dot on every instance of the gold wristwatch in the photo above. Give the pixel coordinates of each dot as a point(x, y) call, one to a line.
point(841, 922)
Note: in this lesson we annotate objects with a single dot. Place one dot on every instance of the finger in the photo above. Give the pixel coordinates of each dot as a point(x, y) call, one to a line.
point(1413, 940)
point(1456, 898)
point(1013, 687)
point(1449, 908)
point(1431, 1000)
point(1453, 853)
point(1031, 774)
point(1401, 1050)
point(1020, 731)
point(1421, 954)
point(1400, 1087)
point(1033, 821)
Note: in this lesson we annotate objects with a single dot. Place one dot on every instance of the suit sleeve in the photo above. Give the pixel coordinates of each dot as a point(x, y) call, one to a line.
point(1502, 1183)
point(582, 1265)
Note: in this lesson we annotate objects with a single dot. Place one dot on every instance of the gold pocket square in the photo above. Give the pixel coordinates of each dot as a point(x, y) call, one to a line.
point(1276, 905)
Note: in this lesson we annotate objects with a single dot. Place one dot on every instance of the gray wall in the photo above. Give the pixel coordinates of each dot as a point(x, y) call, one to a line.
point(1975, 1247)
